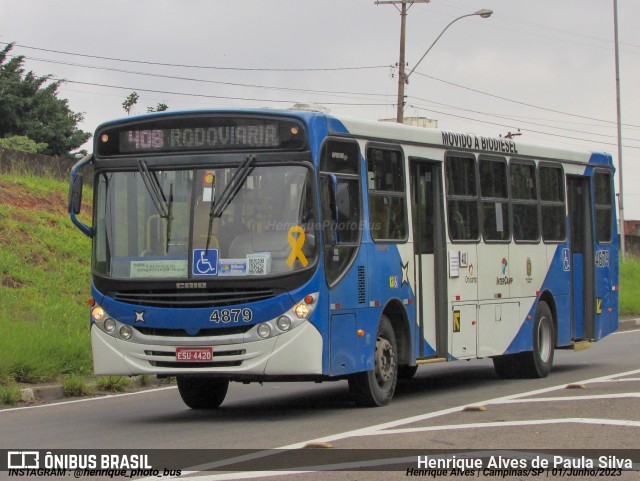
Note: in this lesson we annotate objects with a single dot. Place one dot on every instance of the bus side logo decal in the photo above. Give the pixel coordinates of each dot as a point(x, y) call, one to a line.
point(566, 263)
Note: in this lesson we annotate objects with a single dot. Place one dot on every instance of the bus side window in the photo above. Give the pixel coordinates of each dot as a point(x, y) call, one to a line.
point(524, 198)
point(495, 199)
point(387, 202)
point(462, 198)
point(341, 209)
point(552, 203)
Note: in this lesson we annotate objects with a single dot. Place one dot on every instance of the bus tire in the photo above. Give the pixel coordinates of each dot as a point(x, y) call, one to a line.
point(376, 387)
point(202, 392)
point(537, 363)
point(407, 372)
point(507, 366)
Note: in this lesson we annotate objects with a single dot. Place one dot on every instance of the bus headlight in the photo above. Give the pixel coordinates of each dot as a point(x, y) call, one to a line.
point(97, 313)
point(283, 323)
point(301, 310)
point(109, 325)
point(126, 332)
point(103, 321)
point(264, 330)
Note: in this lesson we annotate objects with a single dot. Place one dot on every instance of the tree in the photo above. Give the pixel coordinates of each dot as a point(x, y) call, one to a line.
point(130, 101)
point(29, 106)
point(22, 143)
point(161, 107)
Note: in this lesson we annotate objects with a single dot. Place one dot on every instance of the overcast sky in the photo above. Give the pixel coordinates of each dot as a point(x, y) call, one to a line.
point(545, 67)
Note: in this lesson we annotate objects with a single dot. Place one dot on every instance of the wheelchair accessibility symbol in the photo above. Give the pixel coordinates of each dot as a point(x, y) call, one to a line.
point(205, 262)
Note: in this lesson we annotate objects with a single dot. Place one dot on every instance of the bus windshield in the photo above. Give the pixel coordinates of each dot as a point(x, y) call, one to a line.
point(188, 224)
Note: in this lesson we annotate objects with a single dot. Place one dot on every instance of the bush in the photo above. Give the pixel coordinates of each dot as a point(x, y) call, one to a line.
point(113, 383)
point(76, 386)
point(10, 395)
point(22, 143)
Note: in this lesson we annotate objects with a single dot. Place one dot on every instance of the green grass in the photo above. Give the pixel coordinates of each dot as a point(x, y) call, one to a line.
point(45, 284)
point(10, 395)
point(630, 286)
point(75, 386)
point(113, 383)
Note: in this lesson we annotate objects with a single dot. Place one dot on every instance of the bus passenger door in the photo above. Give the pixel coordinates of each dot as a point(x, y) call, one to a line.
point(582, 258)
point(430, 262)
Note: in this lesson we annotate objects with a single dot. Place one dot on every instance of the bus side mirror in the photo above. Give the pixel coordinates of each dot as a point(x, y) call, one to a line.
point(328, 189)
point(75, 194)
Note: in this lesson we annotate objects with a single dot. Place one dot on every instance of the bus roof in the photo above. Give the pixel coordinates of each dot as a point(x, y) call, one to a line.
point(398, 133)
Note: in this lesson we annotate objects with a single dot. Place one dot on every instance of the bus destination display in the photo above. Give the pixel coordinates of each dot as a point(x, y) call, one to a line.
point(201, 135)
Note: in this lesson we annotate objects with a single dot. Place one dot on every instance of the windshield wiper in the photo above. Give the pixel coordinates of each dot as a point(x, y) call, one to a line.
point(158, 198)
point(169, 217)
point(238, 178)
point(152, 184)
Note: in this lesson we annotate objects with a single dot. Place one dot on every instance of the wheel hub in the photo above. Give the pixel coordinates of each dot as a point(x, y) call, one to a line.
point(385, 361)
point(544, 340)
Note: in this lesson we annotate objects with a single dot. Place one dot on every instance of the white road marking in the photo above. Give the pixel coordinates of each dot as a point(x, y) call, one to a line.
point(573, 398)
point(501, 424)
point(386, 428)
point(100, 398)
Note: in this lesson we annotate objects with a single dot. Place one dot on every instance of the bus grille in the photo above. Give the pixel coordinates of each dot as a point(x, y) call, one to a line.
point(222, 331)
point(175, 298)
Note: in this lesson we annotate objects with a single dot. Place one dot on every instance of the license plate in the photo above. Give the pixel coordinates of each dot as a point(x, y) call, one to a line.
point(191, 354)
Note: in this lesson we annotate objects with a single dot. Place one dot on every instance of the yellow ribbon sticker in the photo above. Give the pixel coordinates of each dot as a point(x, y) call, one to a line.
point(296, 246)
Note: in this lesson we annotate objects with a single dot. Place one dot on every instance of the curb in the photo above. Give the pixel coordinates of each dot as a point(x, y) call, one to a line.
point(46, 393)
point(625, 324)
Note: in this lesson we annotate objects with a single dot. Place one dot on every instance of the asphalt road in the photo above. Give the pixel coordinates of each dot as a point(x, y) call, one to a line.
point(426, 413)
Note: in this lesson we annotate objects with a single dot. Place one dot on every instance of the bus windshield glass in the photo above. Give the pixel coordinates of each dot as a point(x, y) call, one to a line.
point(188, 224)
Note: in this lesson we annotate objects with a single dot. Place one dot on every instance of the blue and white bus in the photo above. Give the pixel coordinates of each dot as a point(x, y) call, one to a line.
point(263, 245)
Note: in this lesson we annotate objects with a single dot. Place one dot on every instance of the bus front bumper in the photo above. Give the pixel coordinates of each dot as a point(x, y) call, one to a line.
point(296, 353)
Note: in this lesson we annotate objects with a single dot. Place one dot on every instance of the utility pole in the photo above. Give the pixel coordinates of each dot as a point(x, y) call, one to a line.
point(401, 63)
point(620, 199)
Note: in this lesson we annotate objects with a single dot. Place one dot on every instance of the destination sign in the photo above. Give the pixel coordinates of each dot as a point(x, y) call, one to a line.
point(200, 134)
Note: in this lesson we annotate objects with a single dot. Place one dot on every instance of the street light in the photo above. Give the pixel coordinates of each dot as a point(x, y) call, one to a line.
point(620, 199)
point(483, 13)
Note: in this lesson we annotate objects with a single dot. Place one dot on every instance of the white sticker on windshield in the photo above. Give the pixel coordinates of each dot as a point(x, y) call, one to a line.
point(159, 268)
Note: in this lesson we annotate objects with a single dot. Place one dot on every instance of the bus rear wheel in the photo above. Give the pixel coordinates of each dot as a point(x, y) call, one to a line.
point(507, 366)
point(537, 363)
point(376, 387)
point(202, 392)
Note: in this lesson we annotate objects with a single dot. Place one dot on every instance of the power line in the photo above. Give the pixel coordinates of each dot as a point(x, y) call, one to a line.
point(422, 107)
point(519, 102)
point(518, 120)
point(289, 89)
point(208, 67)
point(224, 97)
point(191, 79)
point(317, 92)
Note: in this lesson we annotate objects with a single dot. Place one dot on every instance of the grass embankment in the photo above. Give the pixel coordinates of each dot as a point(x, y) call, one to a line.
point(630, 286)
point(45, 266)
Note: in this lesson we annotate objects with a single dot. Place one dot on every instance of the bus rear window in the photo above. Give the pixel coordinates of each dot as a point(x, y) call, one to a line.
point(604, 206)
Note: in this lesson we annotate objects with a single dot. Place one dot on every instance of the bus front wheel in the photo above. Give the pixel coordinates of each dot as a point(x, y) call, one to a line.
point(202, 392)
point(376, 387)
